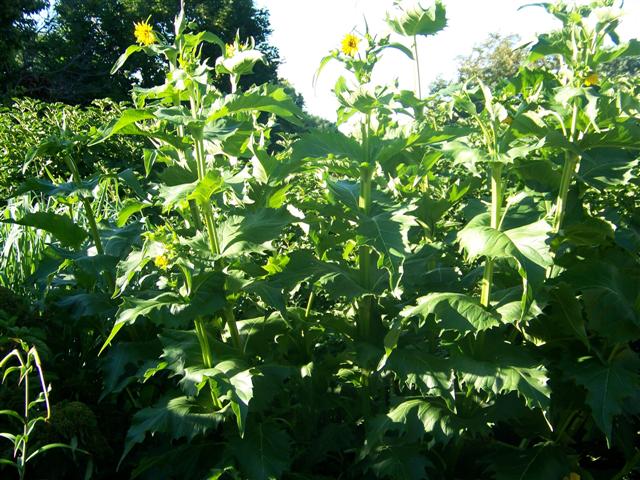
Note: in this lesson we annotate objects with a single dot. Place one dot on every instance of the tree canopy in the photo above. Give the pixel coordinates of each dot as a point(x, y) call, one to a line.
point(70, 58)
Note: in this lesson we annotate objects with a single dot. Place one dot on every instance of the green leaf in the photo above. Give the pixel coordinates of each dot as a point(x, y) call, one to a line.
point(253, 232)
point(416, 368)
point(132, 308)
point(454, 311)
point(609, 291)
point(60, 226)
point(533, 463)
point(500, 367)
point(126, 120)
point(123, 58)
point(126, 361)
point(604, 167)
point(417, 20)
point(608, 386)
point(200, 190)
point(264, 452)
point(265, 99)
point(387, 233)
point(179, 417)
point(400, 463)
point(346, 192)
point(527, 245)
point(130, 207)
point(327, 145)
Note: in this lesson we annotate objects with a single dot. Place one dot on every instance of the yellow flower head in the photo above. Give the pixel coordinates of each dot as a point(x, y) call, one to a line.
point(144, 33)
point(592, 80)
point(161, 261)
point(350, 44)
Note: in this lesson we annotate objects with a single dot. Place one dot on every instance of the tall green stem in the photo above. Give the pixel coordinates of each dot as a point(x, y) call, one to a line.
point(568, 170)
point(496, 212)
point(417, 59)
point(91, 218)
point(207, 213)
point(207, 355)
point(570, 162)
point(364, 255)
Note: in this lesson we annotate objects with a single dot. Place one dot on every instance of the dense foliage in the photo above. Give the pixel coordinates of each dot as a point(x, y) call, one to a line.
point(445, 287)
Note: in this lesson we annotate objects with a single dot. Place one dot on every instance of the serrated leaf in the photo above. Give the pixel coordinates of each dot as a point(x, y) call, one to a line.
point(454, 311)
point(387, 233)
point(608, 386)
point(132, 308)
point(264, 452)
point(533, 463)
point(497, 366)
point(179, 417)
point(327, 145)
point(253, 232)
point(609, 290)
point(604, 167)
point(130, 207)
point(417, 20)
point(60, 226)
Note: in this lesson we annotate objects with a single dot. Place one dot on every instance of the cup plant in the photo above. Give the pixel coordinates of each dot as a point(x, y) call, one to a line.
point(445, 286)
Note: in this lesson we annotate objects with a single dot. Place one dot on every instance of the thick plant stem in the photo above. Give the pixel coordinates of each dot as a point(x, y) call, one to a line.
point(417, 59)
point(568, 169)
point(570, 162)
point(207, 356)
point(230, 318)
point(364, 255)
point(496, 212)
point(307, 311)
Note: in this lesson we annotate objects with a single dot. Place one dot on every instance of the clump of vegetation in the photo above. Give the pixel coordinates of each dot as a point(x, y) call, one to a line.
point(449, 295)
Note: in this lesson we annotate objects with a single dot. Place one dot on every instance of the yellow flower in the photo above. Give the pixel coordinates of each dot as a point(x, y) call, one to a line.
point(161, 261)
point(350, 44)
point(144, 33)
point(591, 80)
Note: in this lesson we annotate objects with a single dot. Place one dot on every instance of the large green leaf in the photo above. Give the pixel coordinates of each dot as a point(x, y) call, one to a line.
point(454, 311)
point(264, 452)
point(609, 291)
point(265, 99)
point(178, 417)
point(417, 20)
point(132, 308)
point(603, 167)
point(327, 145)
point(387, 233)
point(608, 386)
point(60, 226)
point(533, 463)
point(252, 232)
point(200, 190)
point(494, 365)
point(123, 124)
point(416, 368)
point(527, 245)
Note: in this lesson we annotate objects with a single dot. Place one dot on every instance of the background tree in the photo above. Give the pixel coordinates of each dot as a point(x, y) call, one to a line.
point(17, 32)
point(83, 39)
point(492, 60)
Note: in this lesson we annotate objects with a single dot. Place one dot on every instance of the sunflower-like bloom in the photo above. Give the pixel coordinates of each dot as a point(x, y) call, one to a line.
point(161, 261)
point(350, 44)
point(144, 33)
point(592, 80)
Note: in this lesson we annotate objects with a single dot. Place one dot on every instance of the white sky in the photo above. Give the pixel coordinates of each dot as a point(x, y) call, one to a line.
point(304, 31)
